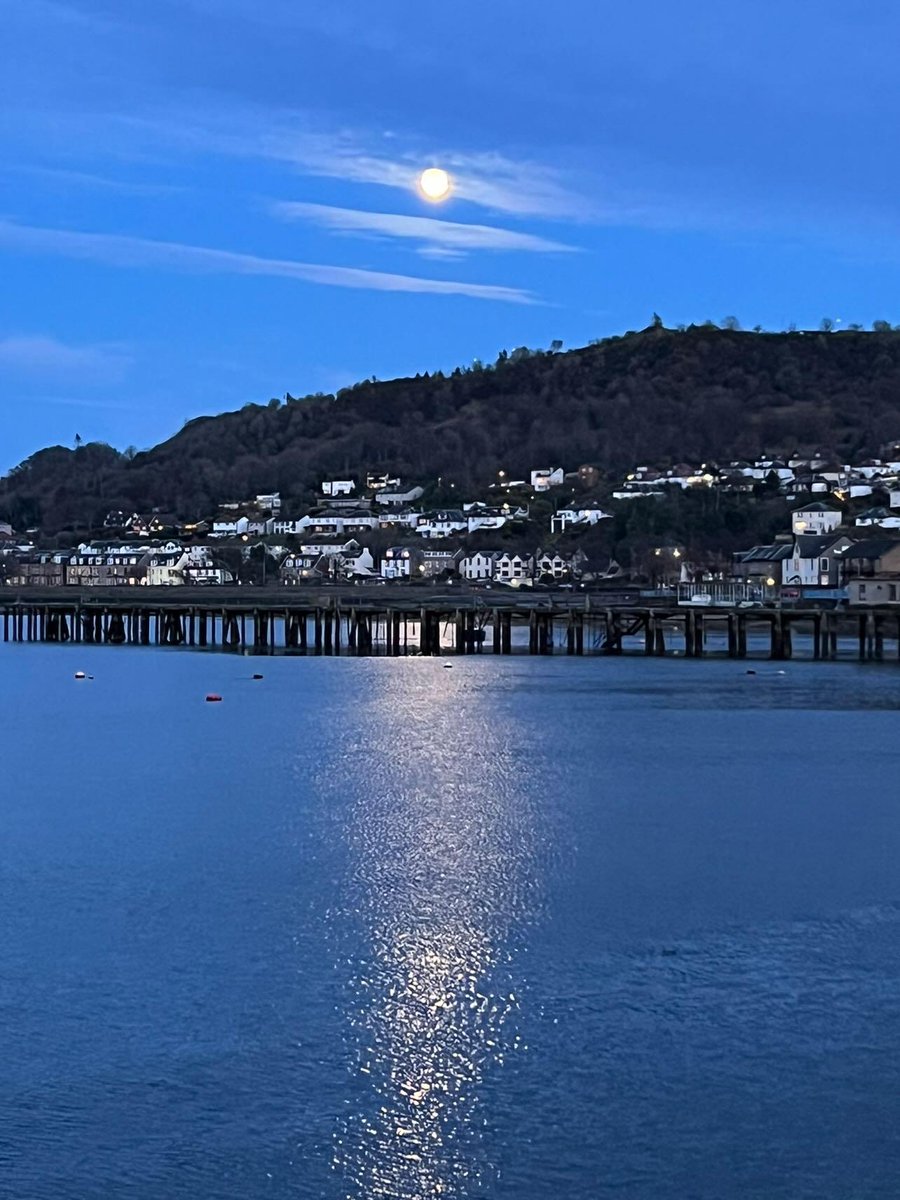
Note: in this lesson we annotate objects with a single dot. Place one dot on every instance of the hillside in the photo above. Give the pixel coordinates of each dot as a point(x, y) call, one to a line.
point(659, 395)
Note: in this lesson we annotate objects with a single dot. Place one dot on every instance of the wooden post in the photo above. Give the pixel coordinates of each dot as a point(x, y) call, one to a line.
point(688, 634)
point(776, 650)
point(649, 633)
point(460, 639)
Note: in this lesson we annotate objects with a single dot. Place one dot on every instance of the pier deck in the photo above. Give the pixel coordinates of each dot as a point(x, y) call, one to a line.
point(399, 620)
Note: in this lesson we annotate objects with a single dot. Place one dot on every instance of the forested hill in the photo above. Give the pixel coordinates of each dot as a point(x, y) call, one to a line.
point(650, 397)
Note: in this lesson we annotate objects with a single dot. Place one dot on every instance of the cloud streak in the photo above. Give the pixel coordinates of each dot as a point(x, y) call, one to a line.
point(66, 177)
point(42, 356)
point(117, 250)
point(447, 238)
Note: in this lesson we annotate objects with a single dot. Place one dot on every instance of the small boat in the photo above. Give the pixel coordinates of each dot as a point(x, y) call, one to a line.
point(79, 675)
point(213, 697)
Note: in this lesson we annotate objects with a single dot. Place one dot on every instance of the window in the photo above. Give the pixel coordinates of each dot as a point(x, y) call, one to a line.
point(892, 591)
point(862, 591)
point(823, 564)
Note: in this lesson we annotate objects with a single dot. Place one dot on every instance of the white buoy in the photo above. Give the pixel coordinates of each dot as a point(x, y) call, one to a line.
point(448, 666)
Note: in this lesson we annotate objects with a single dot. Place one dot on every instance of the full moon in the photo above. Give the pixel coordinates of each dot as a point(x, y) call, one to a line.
point(434, 184)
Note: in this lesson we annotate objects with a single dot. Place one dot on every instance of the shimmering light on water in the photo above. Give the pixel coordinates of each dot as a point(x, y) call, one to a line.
point(443, 868)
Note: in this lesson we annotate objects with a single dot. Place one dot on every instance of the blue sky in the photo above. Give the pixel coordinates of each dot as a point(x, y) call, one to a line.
point(210, 202)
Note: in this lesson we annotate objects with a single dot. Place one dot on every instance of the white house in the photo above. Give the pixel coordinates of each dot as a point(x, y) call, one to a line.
point(579, 512)
point(324, 548)
point(407, 517)
point(376, 483)
point(338, 487)
point(338, 523)
point(297, 567)
point(514, 568)
point(352, 564)
point(165, 568)
point(815, 561)
point(239, 526)
point(814, 518)
point(556, 565)
point(881, 517)
point(285, 527)
point(479, 565)
point(486, 518)
point(395, 498)
point(269, 502)
point(402, 562)
point(545, 478)
point(443, 523)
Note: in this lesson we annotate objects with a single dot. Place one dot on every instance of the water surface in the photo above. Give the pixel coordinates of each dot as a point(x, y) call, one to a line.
point(371, 927)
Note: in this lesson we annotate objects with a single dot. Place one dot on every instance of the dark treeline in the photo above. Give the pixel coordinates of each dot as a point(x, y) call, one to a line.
point(658, 396)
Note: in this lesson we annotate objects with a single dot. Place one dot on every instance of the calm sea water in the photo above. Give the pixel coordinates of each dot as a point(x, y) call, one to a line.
point(374, 928)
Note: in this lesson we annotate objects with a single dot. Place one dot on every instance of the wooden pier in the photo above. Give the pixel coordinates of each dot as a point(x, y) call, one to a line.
point(365, 624)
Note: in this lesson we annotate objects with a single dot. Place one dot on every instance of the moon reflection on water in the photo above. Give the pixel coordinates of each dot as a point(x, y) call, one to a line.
point(443, 873)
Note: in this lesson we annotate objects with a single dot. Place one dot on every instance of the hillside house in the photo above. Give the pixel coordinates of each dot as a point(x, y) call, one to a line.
point(339, 487)
point(379, 483)
point(871, 558)
point(90, 566)
point(479, 565)
point(395, 497)
point(578, 513)
point(514, 568)
point(545, 478)
point(881, 518)
point(483, 517)
point(322, 546)
point(36, 570)
point(442, 523)
point(199, 568)
point(815, 518)
point(762, 563)
point(337, 524)
point(444, 562)
point(298, 568)
point(553, 565)
point(402, 562)
point(815, 561)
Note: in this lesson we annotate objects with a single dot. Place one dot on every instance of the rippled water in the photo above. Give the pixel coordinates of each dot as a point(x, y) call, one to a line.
point(375, 928)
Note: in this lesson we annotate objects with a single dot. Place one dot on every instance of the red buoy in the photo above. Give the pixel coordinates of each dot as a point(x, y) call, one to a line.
point(212, 697)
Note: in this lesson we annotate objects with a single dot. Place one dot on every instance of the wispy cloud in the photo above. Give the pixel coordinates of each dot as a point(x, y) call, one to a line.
point(87, 179)
point(42, 356)
point(518, 186)
point(490, 180)
point(447, 238)
point(121, 251)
